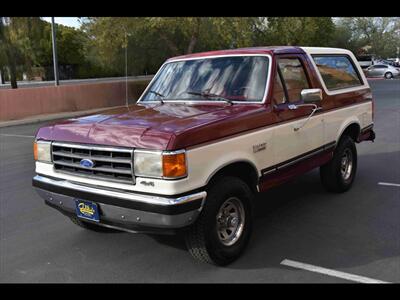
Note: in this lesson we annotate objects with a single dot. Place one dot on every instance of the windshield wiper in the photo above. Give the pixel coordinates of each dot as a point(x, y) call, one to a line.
point(210, 95)
point(159, 95)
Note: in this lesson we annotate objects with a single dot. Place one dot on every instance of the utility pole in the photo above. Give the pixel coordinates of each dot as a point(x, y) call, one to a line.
point(2, 80)
point(55, 61)
point(126, 69)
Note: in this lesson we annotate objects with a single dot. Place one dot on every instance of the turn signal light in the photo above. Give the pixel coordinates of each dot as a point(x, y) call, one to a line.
point(174, 165)
point(35, 151)
point(42, 151)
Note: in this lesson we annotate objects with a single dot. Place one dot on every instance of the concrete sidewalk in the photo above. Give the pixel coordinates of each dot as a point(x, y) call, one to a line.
point(49, 117)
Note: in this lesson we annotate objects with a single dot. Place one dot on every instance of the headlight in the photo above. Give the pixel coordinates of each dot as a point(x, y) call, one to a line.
point(148, 163)
point(42, 151)
point(160, 164)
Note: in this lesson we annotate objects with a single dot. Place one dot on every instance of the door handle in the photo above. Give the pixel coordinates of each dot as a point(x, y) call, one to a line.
point(315, 108)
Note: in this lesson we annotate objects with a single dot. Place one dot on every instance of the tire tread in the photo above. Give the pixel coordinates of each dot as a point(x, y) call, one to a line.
point(196, 235)
point(329, 173)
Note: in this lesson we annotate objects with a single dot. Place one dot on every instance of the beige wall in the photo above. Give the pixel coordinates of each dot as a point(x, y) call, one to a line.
point(27, 102)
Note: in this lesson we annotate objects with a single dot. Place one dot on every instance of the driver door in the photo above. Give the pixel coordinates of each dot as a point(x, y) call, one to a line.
point(290, 143)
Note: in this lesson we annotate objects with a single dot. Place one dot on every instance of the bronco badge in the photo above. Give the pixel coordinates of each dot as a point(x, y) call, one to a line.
point(259, 147)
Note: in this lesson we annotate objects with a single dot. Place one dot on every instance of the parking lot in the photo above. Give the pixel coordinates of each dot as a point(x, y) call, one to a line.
point(302, 234)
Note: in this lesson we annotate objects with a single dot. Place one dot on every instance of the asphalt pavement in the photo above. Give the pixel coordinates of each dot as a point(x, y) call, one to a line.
point(302, 234)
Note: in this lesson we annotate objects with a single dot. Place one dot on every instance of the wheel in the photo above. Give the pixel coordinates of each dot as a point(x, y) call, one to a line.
point(338, 174)
point(222, 231)
point(388, 75)
point(91, 226)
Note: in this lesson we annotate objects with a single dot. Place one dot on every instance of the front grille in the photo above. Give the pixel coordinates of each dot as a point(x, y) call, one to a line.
point(114, 164)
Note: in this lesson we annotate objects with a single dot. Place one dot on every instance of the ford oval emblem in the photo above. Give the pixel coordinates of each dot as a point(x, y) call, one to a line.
point(87, 163)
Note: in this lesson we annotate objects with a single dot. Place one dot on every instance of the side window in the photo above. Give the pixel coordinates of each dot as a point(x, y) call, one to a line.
point(337, 71)
point(278, 96)
point(294, 77)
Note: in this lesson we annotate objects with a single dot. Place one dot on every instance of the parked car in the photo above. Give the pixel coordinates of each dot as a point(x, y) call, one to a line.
point(381, 70)
point(210, 132)
point(390, 62)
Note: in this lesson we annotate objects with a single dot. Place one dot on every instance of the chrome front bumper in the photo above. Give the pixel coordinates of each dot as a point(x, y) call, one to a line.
point(123, 210)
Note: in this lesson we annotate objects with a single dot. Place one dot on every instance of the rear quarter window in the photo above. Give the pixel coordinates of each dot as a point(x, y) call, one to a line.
point(337, 71)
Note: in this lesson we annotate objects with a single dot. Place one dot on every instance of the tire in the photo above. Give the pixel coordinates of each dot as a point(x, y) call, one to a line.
point(338, 174)
point(91, 226)
point(388, 75)
point(204, 241)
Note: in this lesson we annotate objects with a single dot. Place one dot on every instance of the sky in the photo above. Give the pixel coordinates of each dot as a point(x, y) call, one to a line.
point(67, 21)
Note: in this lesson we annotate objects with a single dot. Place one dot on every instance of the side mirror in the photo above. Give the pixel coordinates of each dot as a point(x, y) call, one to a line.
point(311, 95)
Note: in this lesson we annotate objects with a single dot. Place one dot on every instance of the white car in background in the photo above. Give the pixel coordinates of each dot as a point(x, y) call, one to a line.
point(382, 70)
point(365, 61)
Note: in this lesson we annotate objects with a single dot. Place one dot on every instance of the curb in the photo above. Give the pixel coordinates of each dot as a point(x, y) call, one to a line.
point(382, 78)
point(49, 117)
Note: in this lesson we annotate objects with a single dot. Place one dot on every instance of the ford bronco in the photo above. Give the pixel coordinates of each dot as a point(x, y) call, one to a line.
point(210, 131)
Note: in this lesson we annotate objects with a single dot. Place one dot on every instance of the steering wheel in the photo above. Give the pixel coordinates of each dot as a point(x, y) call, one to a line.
point(243, 88)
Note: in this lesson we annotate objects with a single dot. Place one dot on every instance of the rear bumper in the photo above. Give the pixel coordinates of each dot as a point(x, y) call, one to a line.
point(121, 209)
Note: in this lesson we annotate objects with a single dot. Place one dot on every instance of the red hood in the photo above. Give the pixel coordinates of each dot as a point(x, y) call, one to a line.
point(166, 126)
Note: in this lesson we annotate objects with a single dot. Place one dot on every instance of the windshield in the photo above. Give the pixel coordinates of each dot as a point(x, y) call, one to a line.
point(230, 78)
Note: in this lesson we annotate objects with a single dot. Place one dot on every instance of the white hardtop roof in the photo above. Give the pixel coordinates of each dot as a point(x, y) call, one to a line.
point(325, 50)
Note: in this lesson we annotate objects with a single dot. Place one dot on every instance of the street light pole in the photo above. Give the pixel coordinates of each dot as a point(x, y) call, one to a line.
point(126, 69)
point(55, 62)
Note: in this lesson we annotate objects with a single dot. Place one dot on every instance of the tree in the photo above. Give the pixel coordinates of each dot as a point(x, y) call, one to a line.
point(299, 31)
point(380, 34)
point(151, 40)
point(3, 55)
point(20, 44)
point(9, 28)
point(98, 48)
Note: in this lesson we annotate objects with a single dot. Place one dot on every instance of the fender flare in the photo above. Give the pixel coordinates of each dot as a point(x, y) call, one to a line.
point(227, 164)
point(347, 125)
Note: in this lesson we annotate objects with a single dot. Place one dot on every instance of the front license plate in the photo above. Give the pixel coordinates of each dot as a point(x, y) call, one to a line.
point(87, 210)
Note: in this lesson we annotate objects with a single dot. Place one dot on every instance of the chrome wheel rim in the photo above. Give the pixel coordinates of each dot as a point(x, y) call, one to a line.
point(230, 221)
point(346, 165)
